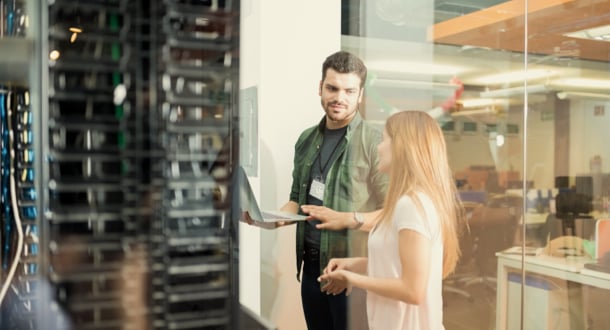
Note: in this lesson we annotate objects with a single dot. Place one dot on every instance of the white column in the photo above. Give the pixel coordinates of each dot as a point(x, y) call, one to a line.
point(283, 45)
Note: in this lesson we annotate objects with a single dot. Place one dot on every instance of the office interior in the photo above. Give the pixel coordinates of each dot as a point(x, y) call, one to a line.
point(123, 120)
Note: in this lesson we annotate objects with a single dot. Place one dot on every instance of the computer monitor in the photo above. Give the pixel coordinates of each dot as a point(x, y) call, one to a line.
point(584, 186)
point(478, 196)
point(562, 182)
point(575, 204)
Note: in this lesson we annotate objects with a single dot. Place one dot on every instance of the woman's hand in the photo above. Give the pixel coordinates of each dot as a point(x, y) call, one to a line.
point(336, 282)
point(335, 274)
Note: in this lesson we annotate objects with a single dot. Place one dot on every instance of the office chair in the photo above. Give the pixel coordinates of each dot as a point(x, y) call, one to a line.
point(455, 283)
point(494, 228)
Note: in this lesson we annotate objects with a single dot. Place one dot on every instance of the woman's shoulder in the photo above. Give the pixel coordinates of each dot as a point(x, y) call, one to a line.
point(405, 204)
point(418, 206)
point(419, 216)
point(408, 200)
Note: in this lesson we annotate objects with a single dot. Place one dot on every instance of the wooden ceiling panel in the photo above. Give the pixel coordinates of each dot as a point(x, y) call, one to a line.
point(502, 27)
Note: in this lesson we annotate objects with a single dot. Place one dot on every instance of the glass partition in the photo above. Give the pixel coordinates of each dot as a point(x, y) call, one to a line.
point(527, 145)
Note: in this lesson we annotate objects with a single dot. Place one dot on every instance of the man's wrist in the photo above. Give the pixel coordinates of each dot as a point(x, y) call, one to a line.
point(358, 219)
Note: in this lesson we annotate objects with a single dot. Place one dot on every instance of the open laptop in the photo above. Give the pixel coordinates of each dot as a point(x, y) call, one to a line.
point(249, 204)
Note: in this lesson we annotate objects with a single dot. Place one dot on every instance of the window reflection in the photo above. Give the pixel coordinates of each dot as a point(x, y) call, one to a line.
point(529, 129)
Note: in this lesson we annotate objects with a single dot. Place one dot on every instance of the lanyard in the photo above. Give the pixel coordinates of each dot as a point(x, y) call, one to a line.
point(330, 156)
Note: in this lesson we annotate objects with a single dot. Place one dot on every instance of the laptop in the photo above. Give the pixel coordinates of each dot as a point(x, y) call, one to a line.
point(249, 204)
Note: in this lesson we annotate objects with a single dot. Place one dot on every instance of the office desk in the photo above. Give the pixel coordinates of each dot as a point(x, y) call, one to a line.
point(568, 269)
point(535, 218)
point(540, 218)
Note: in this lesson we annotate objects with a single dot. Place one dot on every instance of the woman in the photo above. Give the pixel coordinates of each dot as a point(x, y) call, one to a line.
point(414, 244)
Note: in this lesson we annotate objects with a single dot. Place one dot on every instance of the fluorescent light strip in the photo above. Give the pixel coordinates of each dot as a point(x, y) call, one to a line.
point(507, 92)
point(477, 103)
point(414, 67)
point(514, 76)
point(486, 111)
point(582, 83)
point(570, 95)
point(412, 84)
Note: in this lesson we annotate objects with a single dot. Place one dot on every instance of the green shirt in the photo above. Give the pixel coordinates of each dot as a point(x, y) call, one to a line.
point(353, 184)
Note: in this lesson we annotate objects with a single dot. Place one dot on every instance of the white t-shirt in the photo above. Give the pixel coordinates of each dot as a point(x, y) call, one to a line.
point(384, 262)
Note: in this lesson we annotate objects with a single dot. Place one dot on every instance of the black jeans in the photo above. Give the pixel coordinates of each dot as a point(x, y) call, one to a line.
point(322, 311)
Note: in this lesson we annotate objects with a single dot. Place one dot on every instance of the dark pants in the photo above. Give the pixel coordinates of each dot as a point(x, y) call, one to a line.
point(322, 311)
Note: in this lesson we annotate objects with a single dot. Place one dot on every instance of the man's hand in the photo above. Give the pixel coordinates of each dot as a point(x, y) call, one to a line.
point(245, 217)
point(330, 219)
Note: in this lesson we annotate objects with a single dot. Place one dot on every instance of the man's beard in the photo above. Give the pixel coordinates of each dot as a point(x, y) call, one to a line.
point(344, 114)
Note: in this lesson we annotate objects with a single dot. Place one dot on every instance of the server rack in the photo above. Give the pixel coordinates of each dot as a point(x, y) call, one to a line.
point(123, 166)
point(19, 219)
point(196, 83)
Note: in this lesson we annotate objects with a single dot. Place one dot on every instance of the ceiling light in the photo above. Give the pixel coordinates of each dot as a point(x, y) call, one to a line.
point(575, 95)
point(582, 83)
point(499, 140)
point(507, 92)
point(514, 76)
point(412, 84)
point(477, 103)
point(415, 67)
point(485, 111)
point(600, 33)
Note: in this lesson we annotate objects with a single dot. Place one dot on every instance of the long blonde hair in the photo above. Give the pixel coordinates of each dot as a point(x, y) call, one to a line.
point(420, 164)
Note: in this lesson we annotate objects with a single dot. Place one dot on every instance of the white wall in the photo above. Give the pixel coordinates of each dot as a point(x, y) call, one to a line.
point(283, 45)
point(589, 135)
point(249, 265)
point(540, 147)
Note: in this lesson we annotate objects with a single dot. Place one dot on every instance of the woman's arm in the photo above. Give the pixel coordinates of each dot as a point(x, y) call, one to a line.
point(413, 282)
point(415, 260)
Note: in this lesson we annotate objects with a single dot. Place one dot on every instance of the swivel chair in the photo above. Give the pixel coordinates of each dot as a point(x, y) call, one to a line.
point(455, 283)
point(494, 228)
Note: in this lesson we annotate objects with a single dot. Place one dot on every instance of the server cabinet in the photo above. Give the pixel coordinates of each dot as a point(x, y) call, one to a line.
point(119, 143)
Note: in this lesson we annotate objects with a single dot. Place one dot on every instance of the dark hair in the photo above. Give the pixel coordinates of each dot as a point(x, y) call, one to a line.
point(345, 62)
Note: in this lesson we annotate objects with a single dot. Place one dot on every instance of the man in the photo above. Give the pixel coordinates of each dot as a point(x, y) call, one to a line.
point(335, 166)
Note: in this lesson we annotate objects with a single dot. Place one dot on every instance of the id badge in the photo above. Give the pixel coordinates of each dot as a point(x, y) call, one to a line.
point(317, 189)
